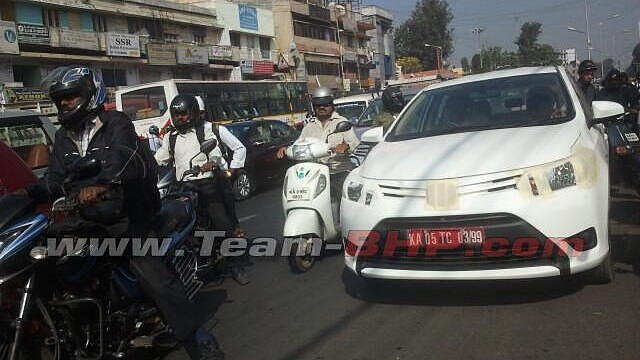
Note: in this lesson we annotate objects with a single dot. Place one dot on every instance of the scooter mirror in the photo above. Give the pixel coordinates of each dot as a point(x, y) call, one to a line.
point(343, 127)
point(207, 146)
point(153, 130)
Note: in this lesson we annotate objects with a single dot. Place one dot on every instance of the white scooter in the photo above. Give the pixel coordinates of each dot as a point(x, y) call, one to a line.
point(311, 198)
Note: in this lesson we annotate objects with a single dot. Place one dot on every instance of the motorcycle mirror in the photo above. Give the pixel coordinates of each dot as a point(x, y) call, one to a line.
point(343, 127)
point(207, 146)
point(153, 130)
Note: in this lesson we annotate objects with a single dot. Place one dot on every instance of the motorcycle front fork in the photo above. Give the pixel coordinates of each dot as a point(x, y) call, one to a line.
point(25, 304)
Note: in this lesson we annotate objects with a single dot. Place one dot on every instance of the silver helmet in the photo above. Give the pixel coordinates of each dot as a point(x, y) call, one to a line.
point(322, 96)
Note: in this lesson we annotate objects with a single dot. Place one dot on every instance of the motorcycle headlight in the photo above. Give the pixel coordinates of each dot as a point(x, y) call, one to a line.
point(321, 185)
point(302, 152)
point(561, 176)
point(354, 191)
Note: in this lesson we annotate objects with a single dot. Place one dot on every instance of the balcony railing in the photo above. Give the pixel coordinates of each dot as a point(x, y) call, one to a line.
point(366, 23)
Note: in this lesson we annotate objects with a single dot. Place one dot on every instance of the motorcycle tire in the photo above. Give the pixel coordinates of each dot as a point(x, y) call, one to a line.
point(300, 264)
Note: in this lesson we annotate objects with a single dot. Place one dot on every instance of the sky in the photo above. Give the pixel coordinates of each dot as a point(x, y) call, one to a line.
point(502, 20)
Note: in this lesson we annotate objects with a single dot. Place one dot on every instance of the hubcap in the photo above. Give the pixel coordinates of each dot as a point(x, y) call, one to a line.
point(243, 185)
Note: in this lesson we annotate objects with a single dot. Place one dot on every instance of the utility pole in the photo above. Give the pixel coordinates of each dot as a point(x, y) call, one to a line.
point(586, 15)
point(477, 31)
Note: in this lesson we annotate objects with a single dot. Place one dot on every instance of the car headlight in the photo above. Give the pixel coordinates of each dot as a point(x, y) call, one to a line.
point(561, 176)
point(302, 152)
point(321, 185)
point(354, 191)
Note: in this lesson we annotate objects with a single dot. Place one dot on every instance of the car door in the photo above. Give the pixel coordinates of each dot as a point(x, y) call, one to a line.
point(264, 148)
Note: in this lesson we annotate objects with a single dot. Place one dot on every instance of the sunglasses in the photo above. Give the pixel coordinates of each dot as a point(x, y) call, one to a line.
point(322, 105)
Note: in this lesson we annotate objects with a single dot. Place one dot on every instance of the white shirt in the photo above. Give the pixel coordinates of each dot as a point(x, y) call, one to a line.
point(314, 129)
point(187, 146)
point(83, 138)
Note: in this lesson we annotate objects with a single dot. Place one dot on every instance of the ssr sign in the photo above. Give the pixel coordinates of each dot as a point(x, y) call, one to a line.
point(127, 45)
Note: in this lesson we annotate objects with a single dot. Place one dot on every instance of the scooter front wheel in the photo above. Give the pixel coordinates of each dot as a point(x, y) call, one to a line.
point(302, 263)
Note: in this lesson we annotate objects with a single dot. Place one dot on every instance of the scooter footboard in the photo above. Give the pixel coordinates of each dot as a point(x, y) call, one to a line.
point(301, 222)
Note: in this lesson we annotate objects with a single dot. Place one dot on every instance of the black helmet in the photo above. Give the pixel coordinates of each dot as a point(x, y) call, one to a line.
point(613, 80)
point(76, 81)
point(185, 104)
point(322, 96)
point(587, 66)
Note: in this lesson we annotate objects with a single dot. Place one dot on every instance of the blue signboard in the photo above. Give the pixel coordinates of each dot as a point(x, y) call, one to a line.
point(248, 17)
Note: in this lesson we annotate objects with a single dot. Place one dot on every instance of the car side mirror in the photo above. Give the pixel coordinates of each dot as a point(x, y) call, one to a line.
point(604, 111)
point(153, 130)
point(374, 135)
point(207, 146)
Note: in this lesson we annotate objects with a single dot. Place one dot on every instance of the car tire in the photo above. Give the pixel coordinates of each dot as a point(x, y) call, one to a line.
point(243, 185)
point(603, 273)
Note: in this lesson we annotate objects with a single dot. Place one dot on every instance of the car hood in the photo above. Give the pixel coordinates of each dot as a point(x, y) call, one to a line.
point(469, 154)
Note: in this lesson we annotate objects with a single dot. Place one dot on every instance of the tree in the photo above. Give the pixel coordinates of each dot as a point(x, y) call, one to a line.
point(476, 66)
point(465, 64)
point(530, 52)
point(409, 64)
point(428, 24)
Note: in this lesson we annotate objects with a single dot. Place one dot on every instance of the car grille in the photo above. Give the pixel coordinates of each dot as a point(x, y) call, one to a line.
point(363, 149)
point(467, 186)
point(504, 226)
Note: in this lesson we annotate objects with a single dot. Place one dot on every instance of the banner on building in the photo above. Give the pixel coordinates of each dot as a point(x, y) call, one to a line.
point(79, 39)
point(248, 17)
point(220, 52)
point(10, 96)
point(126, 45)
point(246, 66)
point(346, 84)
point(236, 74)
point(161, 54)
point(8, 38)
point(350, 57)
point(193, 55)
point(33, 34)
point(264, 67)
point(283, 64)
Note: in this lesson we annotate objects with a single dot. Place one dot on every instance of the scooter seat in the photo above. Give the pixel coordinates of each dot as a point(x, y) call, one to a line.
point(173, 215)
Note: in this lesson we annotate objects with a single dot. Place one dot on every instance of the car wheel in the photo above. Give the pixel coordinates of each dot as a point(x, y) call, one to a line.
point(243, 185)
point(603, 273)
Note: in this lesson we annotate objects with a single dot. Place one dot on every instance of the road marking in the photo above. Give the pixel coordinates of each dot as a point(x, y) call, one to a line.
point(245, 218)
point(333, 247)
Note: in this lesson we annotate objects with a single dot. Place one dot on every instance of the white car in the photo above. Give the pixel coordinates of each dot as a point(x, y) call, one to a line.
point(502, 175)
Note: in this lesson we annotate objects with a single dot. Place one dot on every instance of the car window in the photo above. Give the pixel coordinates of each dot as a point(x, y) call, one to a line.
point(30, 142)
point(518, 101)
point(282, 130)
point(352, 110)
point(144, 103)
point(370, 115)
point(260, 133)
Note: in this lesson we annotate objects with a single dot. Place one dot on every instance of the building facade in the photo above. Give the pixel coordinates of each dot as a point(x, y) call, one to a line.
point(382, 43)
point(324, 43)
point(127, 41)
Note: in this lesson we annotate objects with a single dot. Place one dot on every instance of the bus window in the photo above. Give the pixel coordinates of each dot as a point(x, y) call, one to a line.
point(144, 103)
point(278, 100)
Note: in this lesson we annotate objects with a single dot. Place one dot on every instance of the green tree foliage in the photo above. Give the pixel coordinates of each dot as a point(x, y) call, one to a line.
point(429, 23)
point(464, 62)
point(476, 64)
point(409, 64)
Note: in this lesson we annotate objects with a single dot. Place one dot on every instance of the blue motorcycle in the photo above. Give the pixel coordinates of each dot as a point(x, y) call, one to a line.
point(78, 306)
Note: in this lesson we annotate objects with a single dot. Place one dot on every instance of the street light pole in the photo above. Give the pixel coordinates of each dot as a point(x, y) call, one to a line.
point(588, 34)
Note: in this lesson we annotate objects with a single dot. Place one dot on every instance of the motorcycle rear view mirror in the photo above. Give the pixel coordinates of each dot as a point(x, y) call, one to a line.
point(343, 127)
point(208, 146)
point(153, 130)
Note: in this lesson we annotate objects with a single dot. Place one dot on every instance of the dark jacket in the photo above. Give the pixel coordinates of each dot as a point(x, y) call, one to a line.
point(126, 164)
point(589, 91)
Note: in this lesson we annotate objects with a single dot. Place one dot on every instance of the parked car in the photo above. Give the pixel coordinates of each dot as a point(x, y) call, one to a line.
point(262, 138)
point(351, 107)
point(502, 175)
point(15, 173)
point(30, 135)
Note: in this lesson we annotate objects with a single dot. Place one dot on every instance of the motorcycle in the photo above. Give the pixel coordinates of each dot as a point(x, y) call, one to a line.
point(624, 147)
point(311, 198)
point(77, 306)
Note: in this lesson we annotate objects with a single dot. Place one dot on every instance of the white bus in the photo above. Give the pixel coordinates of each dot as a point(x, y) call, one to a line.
point(225, 101)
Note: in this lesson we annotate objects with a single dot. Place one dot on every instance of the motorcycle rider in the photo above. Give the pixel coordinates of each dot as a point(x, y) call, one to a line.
point(586, 72)
point(123, 188)
point(182, 144)
point(325, 123)
point(616, 90)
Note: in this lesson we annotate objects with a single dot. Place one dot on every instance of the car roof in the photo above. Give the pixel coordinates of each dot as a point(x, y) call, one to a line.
point(353, 98)
point(496, 75)
point(15, 114)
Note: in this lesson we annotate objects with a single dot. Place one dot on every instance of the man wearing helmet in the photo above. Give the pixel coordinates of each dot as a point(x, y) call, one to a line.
point(325, 123)
point(122, 197)
point(585, 79)
point(616, 90)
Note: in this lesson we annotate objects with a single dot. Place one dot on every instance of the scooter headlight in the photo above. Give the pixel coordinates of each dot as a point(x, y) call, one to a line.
point(302, 152)
point(354, 191)
point(321, 185)
point(561, 176)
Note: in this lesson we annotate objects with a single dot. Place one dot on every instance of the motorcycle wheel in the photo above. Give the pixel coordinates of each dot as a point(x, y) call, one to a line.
point(301, 264)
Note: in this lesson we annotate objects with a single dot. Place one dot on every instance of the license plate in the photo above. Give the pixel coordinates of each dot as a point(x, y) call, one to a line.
point(451, 238)
point(295, 194)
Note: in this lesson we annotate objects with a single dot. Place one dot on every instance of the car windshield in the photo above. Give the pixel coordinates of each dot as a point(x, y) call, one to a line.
point(518, 101)
point(29, 141)
point(240, 131)
point(352, 110)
